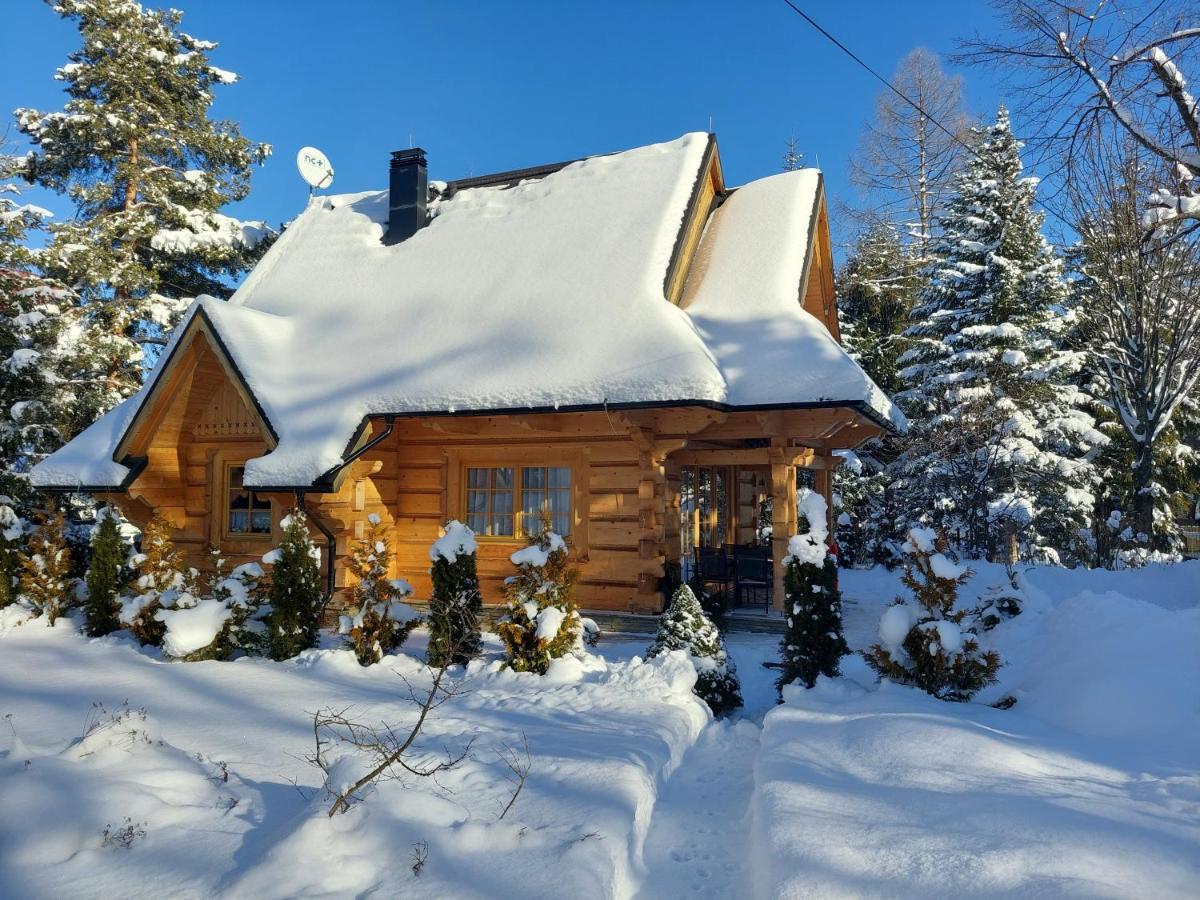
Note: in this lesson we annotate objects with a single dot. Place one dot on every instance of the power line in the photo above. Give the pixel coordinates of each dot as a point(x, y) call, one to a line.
point(891, 87)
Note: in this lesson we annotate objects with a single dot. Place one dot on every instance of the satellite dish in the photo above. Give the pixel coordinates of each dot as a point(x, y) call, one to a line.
point(314, 167)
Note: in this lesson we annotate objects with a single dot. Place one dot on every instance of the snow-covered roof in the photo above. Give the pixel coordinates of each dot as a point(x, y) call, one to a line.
point(546, 294)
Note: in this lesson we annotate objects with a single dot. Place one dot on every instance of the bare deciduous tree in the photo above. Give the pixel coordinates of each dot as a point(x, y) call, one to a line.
point(904, 161)
point(1108, 66)
point(391, 752)
point(1141, 301)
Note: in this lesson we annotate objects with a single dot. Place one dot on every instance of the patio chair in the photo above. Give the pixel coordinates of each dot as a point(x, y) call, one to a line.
point(752, 573)
point(712, 567)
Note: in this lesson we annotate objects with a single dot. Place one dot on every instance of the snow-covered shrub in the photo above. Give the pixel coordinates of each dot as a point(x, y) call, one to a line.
point(926, 644)
point(540, 622)
point(998, 602)
point(813, 643)
point(295, 616)
point(12, 529)
point(684, 626)
point(456, 605)
point(218, 621)
point(107, 574)
point(162, 580)
point(380, 622)
point(45, 585)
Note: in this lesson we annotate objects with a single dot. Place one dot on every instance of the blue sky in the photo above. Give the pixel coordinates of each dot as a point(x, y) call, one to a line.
point(485, 87)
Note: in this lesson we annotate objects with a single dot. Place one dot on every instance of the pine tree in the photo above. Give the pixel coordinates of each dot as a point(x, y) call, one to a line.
point(45, 585)
point(685, 626)
point(149, 172)
point(295, 590)
point(540, 621)
point(105, 576)
point(40, 326)
point(793, 159)
point(162, 578)
point(12, 530)
point(457, 605)
point(378, 624)
point(876, 290)
point(813, 643)
point(927, 645)
point(999, 439)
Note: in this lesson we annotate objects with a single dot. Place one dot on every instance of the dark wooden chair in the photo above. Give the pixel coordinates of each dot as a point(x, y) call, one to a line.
point(752, 574)
point(713, 568)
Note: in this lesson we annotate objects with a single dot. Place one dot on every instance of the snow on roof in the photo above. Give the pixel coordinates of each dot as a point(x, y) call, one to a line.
point(546, 294)
point(747, 309)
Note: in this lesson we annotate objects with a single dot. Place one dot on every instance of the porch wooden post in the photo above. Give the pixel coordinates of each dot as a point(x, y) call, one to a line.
point(783, 516)
point(823, 483)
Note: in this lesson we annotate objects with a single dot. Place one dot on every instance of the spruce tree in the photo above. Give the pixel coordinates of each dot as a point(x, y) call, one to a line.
point(295, 590)
point(105, 577)
point(40, 328)
point(999, 439)
point(45, 584)
point(813, 643)
point(540, 622)
point(12, 530)
point(149, 171)
point(456, 607)
point(927, 645)
point(685, 626)
point(377, 625)
point(876, 290)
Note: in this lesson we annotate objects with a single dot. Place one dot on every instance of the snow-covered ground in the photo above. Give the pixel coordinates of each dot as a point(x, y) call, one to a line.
point(1089, 786)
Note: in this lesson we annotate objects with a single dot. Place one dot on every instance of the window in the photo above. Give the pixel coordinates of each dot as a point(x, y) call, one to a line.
point(493, 493)
point(248, 512)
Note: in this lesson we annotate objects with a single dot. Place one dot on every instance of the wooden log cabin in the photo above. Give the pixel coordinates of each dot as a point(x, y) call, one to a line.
point(621, 340)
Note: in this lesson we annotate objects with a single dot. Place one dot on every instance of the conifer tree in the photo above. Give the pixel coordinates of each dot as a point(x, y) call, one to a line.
point(457, 605)
point(685, 626)
point(42, 387)
point(295, 590)
point(813, 643)
point(45, 584)
point(377, 625)
point(876, 289)
point(926, 645)
point(540, 621)
point(149, 171)
point(999, 439)
point(105, 576)
point(12, 530)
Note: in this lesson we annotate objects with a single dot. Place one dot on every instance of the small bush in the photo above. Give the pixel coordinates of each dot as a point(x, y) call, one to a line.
point(45, 584)
point(295, 616)
point(540, 622)
point(813, 643)
point(685, 626)
point(457, 605)
point(380, 622)
point(162, 579)
point(106, 576)
point(925, 645)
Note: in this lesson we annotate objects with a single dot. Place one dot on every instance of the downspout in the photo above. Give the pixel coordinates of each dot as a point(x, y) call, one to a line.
point(330, 549)
point(330, 540)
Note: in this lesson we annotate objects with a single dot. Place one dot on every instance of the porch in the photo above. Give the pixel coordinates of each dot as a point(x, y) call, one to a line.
point(736, 511)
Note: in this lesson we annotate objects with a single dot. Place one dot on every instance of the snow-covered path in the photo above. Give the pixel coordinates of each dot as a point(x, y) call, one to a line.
point(696, 844)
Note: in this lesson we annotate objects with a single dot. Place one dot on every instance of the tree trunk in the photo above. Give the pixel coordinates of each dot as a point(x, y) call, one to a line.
point(1143, 498)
